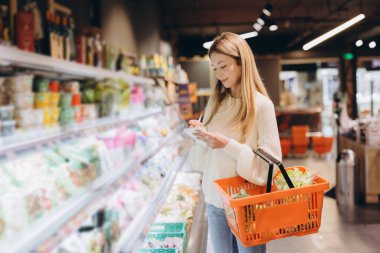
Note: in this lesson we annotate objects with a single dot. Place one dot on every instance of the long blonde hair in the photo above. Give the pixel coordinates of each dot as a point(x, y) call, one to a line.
point(235, 46)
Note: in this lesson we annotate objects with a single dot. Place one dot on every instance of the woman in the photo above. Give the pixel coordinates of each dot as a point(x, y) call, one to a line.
point(238, 117)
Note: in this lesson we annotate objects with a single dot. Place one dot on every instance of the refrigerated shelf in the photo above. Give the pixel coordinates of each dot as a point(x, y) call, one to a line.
point(48, 225)
point(12, 56)
point(133, 238)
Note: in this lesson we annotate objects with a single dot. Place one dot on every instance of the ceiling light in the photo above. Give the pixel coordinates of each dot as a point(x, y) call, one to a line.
point(260, 21)
point(257, 27)
point(372, 44)
point(273, 28)
point(333, 32)
point(249, 35)
point(207, 45)
point(267, 10)
point(359, 43)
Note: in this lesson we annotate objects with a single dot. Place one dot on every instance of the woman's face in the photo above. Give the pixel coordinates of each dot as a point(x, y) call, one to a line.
point(226, 69)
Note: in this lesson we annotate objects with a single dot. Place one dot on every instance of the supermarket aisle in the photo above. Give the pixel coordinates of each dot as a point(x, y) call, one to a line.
point(335, 236)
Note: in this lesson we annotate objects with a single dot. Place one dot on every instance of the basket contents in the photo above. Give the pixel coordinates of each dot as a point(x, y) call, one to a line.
point(299, 178)
point(241, 194)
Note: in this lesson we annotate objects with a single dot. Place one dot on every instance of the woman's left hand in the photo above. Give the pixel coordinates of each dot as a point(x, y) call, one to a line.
point(212, 139)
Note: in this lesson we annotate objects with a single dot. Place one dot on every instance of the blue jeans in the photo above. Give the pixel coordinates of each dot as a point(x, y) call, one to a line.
point(223, 240)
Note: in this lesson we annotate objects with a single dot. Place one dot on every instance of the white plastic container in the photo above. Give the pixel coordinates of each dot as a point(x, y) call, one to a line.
point(6, 112)
point(20, 84)
point(23, 101)
point(8, 127)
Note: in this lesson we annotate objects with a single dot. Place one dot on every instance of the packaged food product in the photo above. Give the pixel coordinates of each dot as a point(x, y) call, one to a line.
point(4, 99)
point(9, 127)
point(54, 99)
point(54, 86)
point(67, 115)
point(70, 87)
point(65, 100)
point(6, 112)
point(3, 88)
point(47, 116)
point(89, 111)
point(78, 116)
point(23, 101)
point(38, 117)
point(25, 118)
point(76, 99)
point(54, 116)
point(42, 100)
point(41, 85)
point(20, 84)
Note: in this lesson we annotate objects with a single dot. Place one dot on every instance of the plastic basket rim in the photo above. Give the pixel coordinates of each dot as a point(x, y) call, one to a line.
point(321, 186)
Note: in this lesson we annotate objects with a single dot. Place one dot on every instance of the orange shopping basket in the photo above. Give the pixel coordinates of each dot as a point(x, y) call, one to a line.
point(268, 215)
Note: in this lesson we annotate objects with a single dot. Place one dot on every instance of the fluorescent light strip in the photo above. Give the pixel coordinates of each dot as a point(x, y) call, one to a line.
point(207, 45)
point(333, 32)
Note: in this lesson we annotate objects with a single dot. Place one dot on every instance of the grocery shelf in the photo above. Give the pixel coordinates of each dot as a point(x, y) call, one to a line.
point(40, 137)
point(48, 225)
point(197, 241)
point(133, 238)
point(12, 56)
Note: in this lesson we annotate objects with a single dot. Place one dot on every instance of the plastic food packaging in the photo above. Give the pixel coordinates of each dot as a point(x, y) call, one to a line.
point(8, 127)
point(38, 117)
point(23, 101)
point(78, 116)
point(67, 115)
point(3, 88)
point(70, 87)
point(54, 86)
point(54, 116)
point(25, 118)
point(6, 112)
point(89, 112)
point(76, 99)
point(18, 84)
point(42, 100)
point(54, 99)
point(41, 85)
point(66, 99)
point(4, 99)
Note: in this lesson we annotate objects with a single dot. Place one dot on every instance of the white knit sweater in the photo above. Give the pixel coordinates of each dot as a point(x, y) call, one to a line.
point(236, 158)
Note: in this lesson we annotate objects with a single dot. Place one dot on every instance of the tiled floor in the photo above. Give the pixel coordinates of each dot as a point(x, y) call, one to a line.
point(361, 235)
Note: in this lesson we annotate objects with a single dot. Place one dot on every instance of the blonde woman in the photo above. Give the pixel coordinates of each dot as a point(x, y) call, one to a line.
point(238, 117)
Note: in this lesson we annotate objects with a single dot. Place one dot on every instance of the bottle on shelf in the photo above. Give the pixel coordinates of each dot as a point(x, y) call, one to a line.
point(98, 51)
point(53, 36)
point(66, 39)
point(59, 37)
point(4, 25)
point(81, 47)
point(38, 27)
point(90, 51)
point(24, 28)
point(71, 38)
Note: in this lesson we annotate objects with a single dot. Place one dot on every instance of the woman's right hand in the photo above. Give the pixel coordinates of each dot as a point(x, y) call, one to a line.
point(196, 123)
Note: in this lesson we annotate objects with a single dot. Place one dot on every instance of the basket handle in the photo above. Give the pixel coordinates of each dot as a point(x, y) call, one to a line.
point(271, 161)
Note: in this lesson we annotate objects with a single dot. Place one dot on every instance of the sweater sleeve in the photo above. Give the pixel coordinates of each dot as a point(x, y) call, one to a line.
point(250, 166)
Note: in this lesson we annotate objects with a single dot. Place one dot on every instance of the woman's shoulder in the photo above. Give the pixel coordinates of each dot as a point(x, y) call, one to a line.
point(262, 101)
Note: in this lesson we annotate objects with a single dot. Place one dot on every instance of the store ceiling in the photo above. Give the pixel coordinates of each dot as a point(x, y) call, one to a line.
point(193, 22)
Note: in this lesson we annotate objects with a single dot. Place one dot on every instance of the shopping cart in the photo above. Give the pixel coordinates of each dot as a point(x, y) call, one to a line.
point(268, 215)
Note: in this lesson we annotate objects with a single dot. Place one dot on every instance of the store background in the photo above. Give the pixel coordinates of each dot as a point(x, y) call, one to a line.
point(162, 41)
